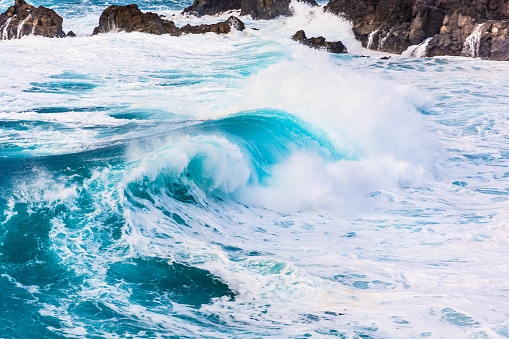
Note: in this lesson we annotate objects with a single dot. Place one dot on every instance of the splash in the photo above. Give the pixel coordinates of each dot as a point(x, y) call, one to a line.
point(371, 38)
point(472, 44)
point(417, 51)
point(20, 26)
point(5, 33)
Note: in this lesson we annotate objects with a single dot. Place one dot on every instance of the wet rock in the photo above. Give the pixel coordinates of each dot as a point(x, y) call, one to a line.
point(258, 9)
point(450, 25)
point(426, 22)
point(320, 43)
point(225, 27)
point(211, 7)
point(494, 42)
point(453, 34)
point(265, 9)
point(131, 19)
point(23, 19)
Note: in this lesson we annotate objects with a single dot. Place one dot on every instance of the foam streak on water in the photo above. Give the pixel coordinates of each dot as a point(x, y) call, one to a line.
point(244, 185)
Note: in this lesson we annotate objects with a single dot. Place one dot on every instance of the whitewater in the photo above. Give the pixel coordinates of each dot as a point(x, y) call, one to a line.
point(247, 186)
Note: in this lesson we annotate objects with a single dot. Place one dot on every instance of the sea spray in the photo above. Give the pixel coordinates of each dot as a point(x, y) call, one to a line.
point(472, 44)
point(246, 186)
point(417, 51)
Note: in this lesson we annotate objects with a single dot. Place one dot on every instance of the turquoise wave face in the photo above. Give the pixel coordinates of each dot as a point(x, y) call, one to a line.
point(77, 203)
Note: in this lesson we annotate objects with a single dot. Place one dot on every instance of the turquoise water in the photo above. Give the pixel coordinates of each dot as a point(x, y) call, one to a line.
point(244, 186)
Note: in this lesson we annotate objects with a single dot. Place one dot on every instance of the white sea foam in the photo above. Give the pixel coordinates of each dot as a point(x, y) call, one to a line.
point(424, 255)
point(417, 51)
point(472, 43)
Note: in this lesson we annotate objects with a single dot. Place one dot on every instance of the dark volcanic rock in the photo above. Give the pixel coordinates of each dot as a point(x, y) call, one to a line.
point(258, 9)
point(23, 19)
point(320, 43)
point(453, 34)
point(265, 9)
point(494, 42)
point(453, 26)
point(211, 7)
point(269, 9)
point(131, 19)
point(224, 27)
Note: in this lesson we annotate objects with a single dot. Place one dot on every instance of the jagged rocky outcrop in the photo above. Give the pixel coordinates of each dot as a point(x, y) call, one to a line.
point(320, 43)
point(258, 9)
point(131, 19)
point(446, 27)
point(211, 7)
point(23, 19)
point(224, 27)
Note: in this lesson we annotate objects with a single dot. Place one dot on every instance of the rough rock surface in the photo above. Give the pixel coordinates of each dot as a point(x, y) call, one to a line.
point(224, 27)
point(258, 9)
point(131, 19)
point(211, 7)
point(23, 19)
point(265, 9)
point(454, 25)
point(319, 43)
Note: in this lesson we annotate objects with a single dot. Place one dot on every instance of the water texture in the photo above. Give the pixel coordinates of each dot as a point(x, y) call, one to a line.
point(246, 186)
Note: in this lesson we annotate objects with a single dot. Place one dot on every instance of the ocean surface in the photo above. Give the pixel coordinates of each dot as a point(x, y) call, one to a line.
point(246, 186)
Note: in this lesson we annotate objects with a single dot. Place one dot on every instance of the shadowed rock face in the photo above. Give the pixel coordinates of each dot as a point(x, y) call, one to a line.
point(395, 25)
point(258, 9)
point(265, 9)
point(131, 19)
point(224, 27)
point(320, 43)
point(23, 19)
point(211, 7)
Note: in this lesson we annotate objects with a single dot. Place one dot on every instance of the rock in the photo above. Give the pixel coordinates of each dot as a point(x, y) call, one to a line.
point(494, 42)
point(224, 27)
point(23, 19)
point(70, 34)
point(319, 43)
point(131, 19)
point(426, 22)
point(455, 30)
point(258, 9)
point(269, 9)
point(211, 7)
point(265, 9)
point(451, 26)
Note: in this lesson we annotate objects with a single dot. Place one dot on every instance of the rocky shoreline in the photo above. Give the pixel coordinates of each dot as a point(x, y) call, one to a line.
point(474, 28)
point(426, 28)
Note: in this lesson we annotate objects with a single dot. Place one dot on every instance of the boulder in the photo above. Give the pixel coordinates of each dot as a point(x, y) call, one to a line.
point(456, 28)
point(211, 7)
point(23, 19)
point(258, 9)
point(494, 43)
point(225, 27)
point(131, 19)
point(319, 43)
point(265, 9)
